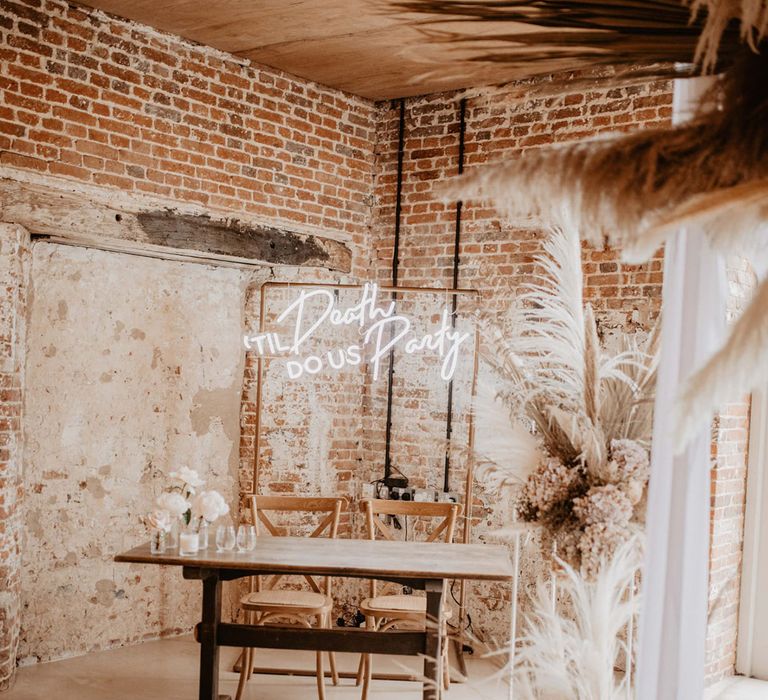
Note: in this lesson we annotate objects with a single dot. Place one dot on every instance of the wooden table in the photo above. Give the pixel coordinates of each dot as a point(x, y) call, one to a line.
point(424, 566)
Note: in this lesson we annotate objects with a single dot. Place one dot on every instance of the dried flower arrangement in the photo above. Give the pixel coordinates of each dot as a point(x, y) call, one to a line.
point(584, 463)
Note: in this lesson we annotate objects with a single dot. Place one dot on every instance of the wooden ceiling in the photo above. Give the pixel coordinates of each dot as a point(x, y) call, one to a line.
point(360, 46)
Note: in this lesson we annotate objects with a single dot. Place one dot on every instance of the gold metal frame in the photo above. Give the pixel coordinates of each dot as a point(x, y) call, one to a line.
point(469, 482)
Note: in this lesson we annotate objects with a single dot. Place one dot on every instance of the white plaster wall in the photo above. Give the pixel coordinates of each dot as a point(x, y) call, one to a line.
point(134, 367)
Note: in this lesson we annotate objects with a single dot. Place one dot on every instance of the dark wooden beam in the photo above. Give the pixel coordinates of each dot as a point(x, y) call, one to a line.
point(350, 639)
point(113, 221)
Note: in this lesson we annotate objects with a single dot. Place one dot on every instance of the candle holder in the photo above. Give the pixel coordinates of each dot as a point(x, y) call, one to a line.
point(189, 543)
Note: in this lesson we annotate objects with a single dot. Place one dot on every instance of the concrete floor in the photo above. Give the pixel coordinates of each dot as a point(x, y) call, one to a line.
point(167, 670)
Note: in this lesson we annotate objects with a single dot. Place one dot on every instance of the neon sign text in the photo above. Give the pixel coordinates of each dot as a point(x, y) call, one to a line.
point(381, 330)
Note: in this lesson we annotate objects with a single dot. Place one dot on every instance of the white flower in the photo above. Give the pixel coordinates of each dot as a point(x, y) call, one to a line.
point(209, 505)
point(189, 477)
point(174, 503)
point(159, 520)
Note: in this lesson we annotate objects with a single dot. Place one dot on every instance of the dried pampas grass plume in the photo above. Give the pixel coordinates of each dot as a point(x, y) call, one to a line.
point(735, 218)
point(751, 14)
point(574, 656)
point(505, 450)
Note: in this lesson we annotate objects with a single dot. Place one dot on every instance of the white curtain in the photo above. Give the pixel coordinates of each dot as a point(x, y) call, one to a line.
point(675, 581)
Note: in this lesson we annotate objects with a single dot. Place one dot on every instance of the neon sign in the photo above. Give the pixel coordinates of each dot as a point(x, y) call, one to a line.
point(380, 328)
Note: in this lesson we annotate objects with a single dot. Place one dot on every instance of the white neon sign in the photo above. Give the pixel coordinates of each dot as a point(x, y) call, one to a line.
point(381, 329)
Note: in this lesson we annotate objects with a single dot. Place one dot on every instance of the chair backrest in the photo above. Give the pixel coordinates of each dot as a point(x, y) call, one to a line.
point(264, 506)
point(445, 515)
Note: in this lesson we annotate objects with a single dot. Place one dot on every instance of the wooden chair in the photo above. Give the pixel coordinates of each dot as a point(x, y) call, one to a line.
point(384, 612)
point(267, 604)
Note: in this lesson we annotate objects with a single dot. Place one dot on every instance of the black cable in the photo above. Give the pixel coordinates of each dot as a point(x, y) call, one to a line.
point(454, 299)
point(395, 270)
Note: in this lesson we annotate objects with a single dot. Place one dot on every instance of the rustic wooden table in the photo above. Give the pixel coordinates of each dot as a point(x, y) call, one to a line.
point(424, 566)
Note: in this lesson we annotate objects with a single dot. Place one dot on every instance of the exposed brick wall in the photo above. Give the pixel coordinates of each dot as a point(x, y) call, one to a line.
point(14, 287)
point(89, 97)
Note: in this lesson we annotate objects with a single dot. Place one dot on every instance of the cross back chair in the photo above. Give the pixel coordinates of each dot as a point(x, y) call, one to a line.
point(384, 612)
point(265, 603)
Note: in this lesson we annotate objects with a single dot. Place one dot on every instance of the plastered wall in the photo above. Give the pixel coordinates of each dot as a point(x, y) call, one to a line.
point(135, 367)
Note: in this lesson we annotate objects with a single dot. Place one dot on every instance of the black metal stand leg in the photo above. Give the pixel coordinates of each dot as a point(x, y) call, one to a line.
point(209, 649)
point(433, 660)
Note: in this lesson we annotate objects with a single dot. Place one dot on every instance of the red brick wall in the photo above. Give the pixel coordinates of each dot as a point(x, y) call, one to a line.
point(96, 99)
point(90, 98)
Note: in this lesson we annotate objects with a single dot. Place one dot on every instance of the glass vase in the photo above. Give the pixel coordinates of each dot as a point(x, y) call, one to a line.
point(157, 541)
point(172, 536)
point(203, 535)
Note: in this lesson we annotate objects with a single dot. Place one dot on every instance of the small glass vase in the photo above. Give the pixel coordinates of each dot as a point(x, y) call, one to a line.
point(202, 532)
point(157, 541)
point(189, 542)
point(172, 536)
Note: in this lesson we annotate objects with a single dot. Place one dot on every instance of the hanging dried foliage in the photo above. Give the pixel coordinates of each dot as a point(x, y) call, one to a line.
point(751, 16)
point(527, 36)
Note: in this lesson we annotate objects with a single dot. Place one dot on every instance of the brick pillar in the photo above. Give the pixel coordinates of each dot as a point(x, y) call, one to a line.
point(14, 286)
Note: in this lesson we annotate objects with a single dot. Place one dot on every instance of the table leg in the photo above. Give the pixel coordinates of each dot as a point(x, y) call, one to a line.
point(433, 659)
point(209, 649)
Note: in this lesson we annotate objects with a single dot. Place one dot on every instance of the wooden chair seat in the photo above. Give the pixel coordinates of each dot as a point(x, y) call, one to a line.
point(414, 607)
point(299, 602)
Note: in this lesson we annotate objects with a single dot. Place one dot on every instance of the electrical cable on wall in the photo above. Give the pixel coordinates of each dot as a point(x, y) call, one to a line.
point(454, 302)
point(388, 478)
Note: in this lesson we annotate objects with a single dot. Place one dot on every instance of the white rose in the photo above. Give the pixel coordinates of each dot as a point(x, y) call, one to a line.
point(159, 520)
point(174, 503)
point(189, 477)
point(209, 505)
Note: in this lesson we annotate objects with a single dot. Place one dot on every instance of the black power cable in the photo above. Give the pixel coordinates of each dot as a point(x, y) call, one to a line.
point(395, 269)
point(454, 297)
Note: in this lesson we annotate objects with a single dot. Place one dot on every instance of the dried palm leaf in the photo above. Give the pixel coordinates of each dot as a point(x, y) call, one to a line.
point(546, 354)
point(737, 368)
point(585, 435)
point(627, 405)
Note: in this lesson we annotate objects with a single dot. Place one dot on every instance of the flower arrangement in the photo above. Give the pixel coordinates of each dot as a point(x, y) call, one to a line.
point(570, 423)
point(180, 500)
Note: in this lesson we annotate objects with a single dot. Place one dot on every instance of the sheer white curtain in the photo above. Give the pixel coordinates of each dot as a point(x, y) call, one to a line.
point(675, 580)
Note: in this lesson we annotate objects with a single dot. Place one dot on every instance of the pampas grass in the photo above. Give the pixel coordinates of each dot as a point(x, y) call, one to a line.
point(552, 372)
point(508, 453)
point(575, 656)
point(752, 16)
